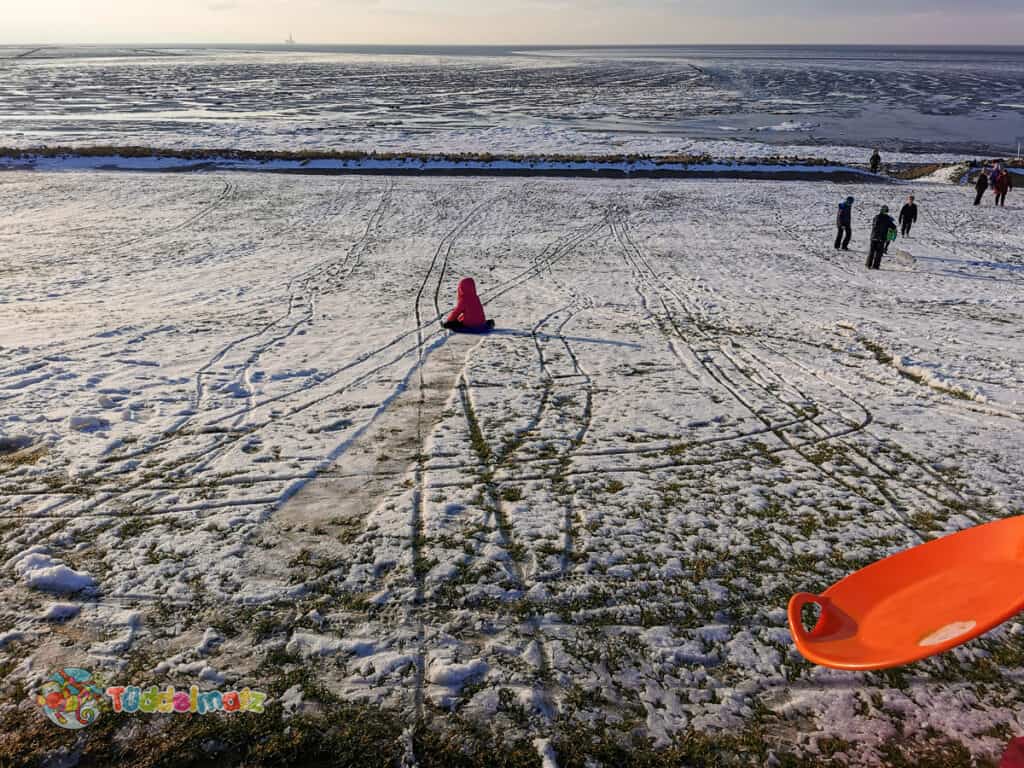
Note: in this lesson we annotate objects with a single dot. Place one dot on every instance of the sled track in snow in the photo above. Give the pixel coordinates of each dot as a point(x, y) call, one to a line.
point(720, 375)
point(557, 251)
point(764, 370)
point(565, 459)
point(642, 267)
point(298, 289)
point(306, 293)
point(865, 457)
point(488, 458)
point(416, 537)
point(563, 464)
point(544, 467)
point(230, 188)
point(220, 445)
point(60, 348)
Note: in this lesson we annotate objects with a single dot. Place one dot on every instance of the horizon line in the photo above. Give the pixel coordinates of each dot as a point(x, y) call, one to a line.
point(292, 46)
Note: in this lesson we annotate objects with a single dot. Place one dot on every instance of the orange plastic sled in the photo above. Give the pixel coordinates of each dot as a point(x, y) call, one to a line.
point(917, 603)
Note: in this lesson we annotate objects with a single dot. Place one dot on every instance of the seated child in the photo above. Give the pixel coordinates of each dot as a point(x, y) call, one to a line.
point(468, 314)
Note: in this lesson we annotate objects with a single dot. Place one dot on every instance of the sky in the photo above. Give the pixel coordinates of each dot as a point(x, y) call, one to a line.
point(482, 22)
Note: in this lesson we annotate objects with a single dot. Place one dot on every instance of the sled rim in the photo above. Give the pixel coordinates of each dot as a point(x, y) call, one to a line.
point(813, 644)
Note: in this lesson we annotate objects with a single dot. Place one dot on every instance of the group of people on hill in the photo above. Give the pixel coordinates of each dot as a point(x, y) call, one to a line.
point(998, 179)
point(883, 229)
point(468, 315)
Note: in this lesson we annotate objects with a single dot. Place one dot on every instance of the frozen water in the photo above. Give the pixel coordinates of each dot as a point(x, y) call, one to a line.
point(605, 100)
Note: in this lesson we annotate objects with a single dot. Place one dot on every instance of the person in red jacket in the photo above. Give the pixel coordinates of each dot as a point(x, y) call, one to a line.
point(468, 314)
point(1002, 184)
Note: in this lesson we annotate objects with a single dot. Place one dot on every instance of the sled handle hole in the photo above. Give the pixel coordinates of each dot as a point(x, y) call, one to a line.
point(810, 613)
point(806, 614)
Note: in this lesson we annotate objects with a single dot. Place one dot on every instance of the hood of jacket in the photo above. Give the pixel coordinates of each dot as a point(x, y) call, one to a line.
point(467, 288)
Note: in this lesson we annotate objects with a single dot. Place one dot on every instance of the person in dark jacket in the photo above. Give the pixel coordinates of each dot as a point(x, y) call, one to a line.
point(908, 216)
point(876, 161)
point(1002, 185)
point(980, 186)
point(880, 229)
point(844, 223)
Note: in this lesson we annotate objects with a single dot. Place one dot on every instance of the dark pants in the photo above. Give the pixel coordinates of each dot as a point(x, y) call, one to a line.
point(906, 228)
point(843, 237)
point(981, 194)
point(456, 325)
point(1001, 198)
point(875, 255)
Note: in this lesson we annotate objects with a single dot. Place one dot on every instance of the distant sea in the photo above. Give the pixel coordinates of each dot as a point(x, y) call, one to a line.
point(938, 101)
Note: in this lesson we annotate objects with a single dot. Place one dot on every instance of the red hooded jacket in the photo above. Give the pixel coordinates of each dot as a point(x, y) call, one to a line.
point(1003, 183)
point(468, 310)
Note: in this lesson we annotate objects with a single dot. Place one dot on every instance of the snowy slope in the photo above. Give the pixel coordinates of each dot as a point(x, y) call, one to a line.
point(226, 399)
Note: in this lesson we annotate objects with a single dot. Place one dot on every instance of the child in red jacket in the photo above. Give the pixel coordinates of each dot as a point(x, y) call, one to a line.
point(468, 314)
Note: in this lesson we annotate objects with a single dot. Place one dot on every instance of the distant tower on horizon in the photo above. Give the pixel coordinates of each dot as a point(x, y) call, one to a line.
point(290, 40)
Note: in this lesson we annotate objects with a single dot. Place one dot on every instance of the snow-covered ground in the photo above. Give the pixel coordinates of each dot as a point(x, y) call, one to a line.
point(234, 440)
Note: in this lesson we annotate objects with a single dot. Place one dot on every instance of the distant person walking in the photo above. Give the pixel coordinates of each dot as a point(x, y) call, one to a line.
point(844, 223)
point(880, 229)
point(981, 187)
point(1002, 185)
point(908, 216)
point(876, 161)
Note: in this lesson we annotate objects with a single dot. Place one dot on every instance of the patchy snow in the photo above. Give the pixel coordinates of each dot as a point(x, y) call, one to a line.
point(61, 611)
point(308, 644)
point(789, 126)
point(82, 423)
point(40, 571)
point(950, 174)
point(10, 637)
point(291, 700)
point(691, 408)
point(548, 757)
point(455, 675)
point(211, 639)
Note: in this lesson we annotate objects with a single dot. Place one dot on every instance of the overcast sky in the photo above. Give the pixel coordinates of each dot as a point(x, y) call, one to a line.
point(512, 21)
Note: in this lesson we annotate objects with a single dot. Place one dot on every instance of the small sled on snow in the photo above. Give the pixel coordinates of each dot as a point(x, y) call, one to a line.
point(919, 602)
point(904, 258)
point(476, 330)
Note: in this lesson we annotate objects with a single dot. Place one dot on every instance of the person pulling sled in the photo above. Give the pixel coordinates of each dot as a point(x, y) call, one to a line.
point(883, 228)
